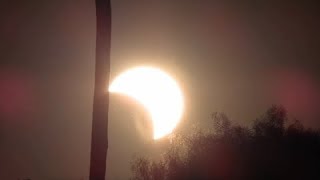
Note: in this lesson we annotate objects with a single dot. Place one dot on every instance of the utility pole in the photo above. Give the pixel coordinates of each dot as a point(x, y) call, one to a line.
point(99, 137)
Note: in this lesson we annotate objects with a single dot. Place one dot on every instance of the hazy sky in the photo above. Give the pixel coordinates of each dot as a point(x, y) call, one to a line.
point(237, 58)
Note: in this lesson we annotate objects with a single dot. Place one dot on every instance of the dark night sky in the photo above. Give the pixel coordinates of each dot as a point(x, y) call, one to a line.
point(238, 58)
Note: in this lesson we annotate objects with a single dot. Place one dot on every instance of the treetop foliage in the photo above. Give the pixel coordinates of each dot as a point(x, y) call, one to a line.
point(274, 147)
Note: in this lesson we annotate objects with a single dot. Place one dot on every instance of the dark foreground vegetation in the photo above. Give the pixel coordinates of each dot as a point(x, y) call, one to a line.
point(272, 148)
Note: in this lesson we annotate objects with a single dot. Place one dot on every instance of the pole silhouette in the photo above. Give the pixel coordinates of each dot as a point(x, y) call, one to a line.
point(99, 136)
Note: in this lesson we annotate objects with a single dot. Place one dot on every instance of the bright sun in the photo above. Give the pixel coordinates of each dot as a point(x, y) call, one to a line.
point(157, 92)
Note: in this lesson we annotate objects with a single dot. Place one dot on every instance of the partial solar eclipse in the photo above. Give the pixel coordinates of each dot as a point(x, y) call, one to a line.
point(157, 92)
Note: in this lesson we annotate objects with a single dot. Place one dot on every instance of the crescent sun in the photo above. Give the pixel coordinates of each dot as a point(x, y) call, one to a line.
point(157, 92)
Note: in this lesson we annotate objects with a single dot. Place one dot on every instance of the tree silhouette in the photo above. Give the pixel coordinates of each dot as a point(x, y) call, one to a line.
point(273, 148)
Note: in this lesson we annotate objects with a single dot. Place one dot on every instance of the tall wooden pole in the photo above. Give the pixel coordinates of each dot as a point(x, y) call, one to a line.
point(99, 139)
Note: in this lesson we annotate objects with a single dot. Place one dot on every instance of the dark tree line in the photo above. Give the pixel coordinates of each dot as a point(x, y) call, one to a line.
point(272, 148)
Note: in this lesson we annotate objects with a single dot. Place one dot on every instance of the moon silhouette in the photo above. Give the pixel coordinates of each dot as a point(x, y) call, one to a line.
point(157, 92)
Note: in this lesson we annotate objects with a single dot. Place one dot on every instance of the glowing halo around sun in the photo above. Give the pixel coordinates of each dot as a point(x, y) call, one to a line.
point(157, 92)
